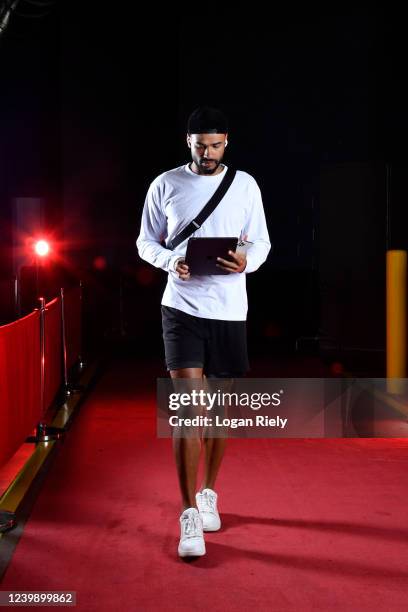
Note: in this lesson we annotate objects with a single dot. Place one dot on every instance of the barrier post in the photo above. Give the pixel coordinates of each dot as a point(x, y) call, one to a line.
point(44, 432)
point(69, 389)
point(42, 355)
point(17, 296)
point(81, 364)
point(64, 343)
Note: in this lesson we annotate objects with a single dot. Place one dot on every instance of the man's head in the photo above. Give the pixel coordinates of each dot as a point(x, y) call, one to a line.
point(207, 132)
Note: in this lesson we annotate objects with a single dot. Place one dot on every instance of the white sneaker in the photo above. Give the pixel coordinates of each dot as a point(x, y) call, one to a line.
point(191, 540)
point(207, 507)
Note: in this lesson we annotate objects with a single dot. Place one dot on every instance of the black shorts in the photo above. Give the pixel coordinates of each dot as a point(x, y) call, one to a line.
point(219, 347)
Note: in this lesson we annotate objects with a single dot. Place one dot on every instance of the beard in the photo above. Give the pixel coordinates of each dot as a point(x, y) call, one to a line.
point(210, 168)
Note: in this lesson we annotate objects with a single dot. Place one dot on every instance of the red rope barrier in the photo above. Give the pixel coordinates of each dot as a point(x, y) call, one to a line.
point(20, 405)
point(20, 367)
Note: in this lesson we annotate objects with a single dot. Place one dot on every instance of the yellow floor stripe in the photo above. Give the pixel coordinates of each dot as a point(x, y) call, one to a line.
point(13, 496)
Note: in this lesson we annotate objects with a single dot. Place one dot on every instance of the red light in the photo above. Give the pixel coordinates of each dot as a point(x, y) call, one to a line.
point(337, 368)
point(99, 263)
point(42, 248)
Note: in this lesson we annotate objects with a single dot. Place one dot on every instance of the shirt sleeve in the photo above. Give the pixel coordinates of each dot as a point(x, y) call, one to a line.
point(256, 231)
point(153, 230)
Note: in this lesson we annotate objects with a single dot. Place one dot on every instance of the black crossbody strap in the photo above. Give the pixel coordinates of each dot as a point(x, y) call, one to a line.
point(206, 211)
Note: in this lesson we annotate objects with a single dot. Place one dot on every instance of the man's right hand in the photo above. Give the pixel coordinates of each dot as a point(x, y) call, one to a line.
point(182, 270)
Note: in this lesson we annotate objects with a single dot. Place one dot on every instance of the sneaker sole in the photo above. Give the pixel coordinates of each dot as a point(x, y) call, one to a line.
point(189, 554)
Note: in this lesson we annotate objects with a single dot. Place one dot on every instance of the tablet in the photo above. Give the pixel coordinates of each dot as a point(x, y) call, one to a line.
point(202, 253)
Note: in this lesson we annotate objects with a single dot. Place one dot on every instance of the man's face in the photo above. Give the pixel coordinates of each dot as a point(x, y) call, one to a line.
point(207, 151)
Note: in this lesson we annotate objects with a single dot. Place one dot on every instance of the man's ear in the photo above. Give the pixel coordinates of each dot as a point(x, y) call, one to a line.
point(188, 141)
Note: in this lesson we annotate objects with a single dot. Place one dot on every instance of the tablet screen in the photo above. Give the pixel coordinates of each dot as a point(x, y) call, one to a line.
point(202, 253)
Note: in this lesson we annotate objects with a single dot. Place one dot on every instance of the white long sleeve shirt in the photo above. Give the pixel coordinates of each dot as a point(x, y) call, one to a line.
point(173, 200)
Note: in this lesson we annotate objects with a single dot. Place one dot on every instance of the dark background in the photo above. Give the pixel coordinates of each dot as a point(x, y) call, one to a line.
point(93, 105)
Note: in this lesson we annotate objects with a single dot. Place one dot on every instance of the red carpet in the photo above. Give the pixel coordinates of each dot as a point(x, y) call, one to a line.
point(307, 524)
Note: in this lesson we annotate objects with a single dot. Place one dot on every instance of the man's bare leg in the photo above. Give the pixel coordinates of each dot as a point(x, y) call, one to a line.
point(214, 452)
point(187, 451)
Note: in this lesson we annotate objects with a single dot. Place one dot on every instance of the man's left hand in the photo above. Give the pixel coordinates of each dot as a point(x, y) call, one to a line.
point(237, 265)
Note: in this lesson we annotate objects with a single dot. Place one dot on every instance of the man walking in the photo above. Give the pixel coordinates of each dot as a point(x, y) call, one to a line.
point(203, 317)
